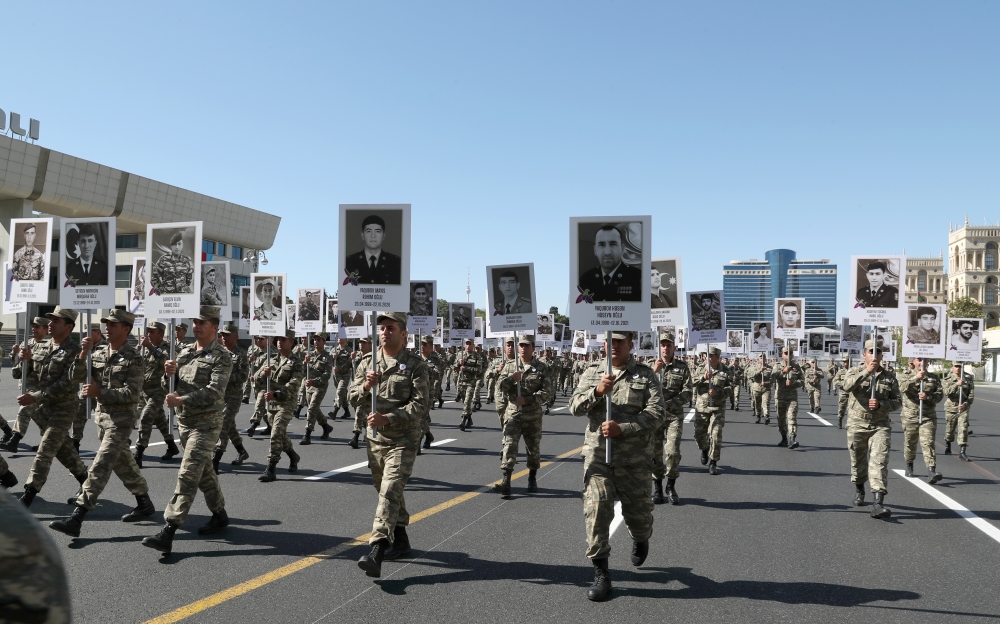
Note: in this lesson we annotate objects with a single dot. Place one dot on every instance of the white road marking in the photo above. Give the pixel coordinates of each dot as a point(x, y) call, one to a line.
point(618, 519)
point(822, 420)
point(560, 408)
point(362, 464)
point(689, 417)
point(953, 505)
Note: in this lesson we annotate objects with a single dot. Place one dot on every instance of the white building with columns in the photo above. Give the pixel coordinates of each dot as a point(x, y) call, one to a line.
point(974, 267)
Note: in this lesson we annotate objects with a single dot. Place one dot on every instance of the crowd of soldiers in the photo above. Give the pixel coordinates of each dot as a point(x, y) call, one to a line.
point(635, 408)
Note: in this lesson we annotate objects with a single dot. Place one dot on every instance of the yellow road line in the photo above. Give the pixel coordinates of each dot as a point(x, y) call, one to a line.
point(238, 590)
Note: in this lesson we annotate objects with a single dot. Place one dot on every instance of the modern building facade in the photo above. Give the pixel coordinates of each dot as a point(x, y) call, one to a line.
point(751, 286)
point(926, 280)
point(974, 267)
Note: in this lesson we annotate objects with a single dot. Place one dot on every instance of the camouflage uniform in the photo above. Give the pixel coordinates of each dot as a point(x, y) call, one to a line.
point(637, 406)
point(259, 387)
point(814, 386)
point(341, 379)
point(787, 396)
point(202, 377)
point(675, 378)
point(151, 397)
point(286, 377)
point(28, 264)
point(80, 422)
point(434, 370)
point(468, 379)
point(233, 399)
point(26, 412)
point(955, 419)
point(119, 374)
point(173, 273)
point(869, 431)
point(831, 374)
point(252, 351)
point(537, 386)
point(710, 411)
point(760, 390)
point(916, 425)
point(320, 369)
point(737, 380)
point(838, 381)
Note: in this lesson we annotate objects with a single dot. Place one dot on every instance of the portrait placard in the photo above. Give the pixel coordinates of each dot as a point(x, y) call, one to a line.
point(610, 272)
point(965, 340)
point(762, 337)
point(460, 317)
point(924, 336)
point(267, 296)
point(9, 306)
point(680, 333)
point(173, 261)
point(309, 313)
point(28, 254)
point(851, 336)
point(290, 316)
point(815, 342)
point(245, 307)
point(706, 317)
point(510, 289)
point(645, 345)
point(88, 279)
point(789, 320)
point(137, 288)
point(374, 258)
point(215, 288)
point(331, 315)
point(546, 328)
point(139, 325)
point(353, 324)
point(887, 345)
point(479, 331)
point(735, 342)
point(423, 306)
point(833, 347)
point(579, 342)
point(803, 347)
point(878, 290)
point(438, 332)
point(557, 334)
point(665, 291)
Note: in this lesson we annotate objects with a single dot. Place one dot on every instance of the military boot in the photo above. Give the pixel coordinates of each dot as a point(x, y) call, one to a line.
point(143, 509)
point(784, 440)
point(909, 469)
point(859, 496)
point(372, 562)
point(137, 455)
point(28, 496)
point(333, 415)
point(7, 433)
point(505, 484)
point(428, 438)
point(671, 491)
point(251, 430)
point(216, 458)
point(757, 422)
point(8, 480)
point(461, 427)
point(293, 465)
point(640, 550)
point(172, 450)
point(70, 526)
point(793, 443)
point(712, 468)
point(400, 544)
point(162, 541)
point(354, 441)
point(242, 457)
point(600, 590)
point(704, 457)
point(657, 495)
point(79, 479)
point(767, 420)
point(268, 475)
point(12, 443)
point(307, 440)
point(532, 481)
point(878, 511)
point(267, 431)
point(961, 453)
point(441, 402)
point(840, 423)
point(935, 476)
point(347, 413)
point(298, 411)
point(219, 521)
point(326, 432)
point(947, 448)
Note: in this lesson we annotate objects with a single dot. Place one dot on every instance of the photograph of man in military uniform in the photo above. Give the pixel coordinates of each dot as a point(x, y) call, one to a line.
point(86, 254)
point(268, 297)
point(815, 342)
point(964, 335)
point(706, 311)
point(734, 339)
point(331, 311)
point(789, 315)
point(876, 282)
point(215, 284)
point(30, 260)
point(546, 324)
point(244, 302)
point(422, 299)
point(373, 246)
point(924, 325)
point(617, 249)
point(832, 347)
point(139, 278)
point(646, 341)
point(850, 333)
point(173, 268)
point(511, 290)
point(461, 315)
point(352, 318)
point(663, 284)
point(580, 339)
point(308, 309)
point(290, 315)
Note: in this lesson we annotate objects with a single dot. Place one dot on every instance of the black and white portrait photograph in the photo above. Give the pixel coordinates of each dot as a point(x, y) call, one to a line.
point(815, 342)
point(267, 298)
point(215, 284)
point(511, 289)
point(331, 315)
point(788, 313)
point(612, 270)
point(30, 246)
point(438, 332)
point(86, 251)
point(579, 341)
point(290, 316)
point(706, 311)
point(173, 260)
point(352, 318)
point(309, 304)
point(557, 333)
point(924, 324)
point(139, 278)
point(763, 337)
point(734, 341)
point(422, 299)
point(460, 321)
point(850, 333)
point(646, 342)
point(546, 328)
point(374, 251)
point(245, 309)
point(878, 290)
point(680, 334)
point(832, 347)
point(665, 283)
point(964, 340)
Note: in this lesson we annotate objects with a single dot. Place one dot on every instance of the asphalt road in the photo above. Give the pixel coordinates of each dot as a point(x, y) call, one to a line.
point(773, 538)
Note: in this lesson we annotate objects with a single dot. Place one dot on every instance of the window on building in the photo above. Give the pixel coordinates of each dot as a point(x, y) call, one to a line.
point(922, 281)
point(208, 246)
point(237, 253)
point(220, 248)
point(55, 244)
point(127, 241)
point(123, 276)
point(237, 281)
point(53, 279)
point(991, 256)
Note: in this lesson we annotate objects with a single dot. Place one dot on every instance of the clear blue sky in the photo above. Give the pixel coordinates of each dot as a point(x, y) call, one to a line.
point(829, 128)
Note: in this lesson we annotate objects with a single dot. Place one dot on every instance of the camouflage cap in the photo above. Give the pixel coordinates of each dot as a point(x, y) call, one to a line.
point(320, 336)
point(183, 326)
point(40, 320)
point(427, 339)
point(207, 313)
point(118, 316)
point(510, 339)
point(526, 339)
point(468, 340)
point(621, 335)
point(784, 350)
point(289, 334)
point(63, 313)
point(667, 335)
point(156, 325)
point(714, 351)
point(870, 344)
point(365, 339)
point(399, 317)
point(96, 326)
point(230, 328)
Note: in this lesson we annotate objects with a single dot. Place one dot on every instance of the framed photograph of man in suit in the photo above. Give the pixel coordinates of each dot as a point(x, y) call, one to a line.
point(88, 279)
point(879, 290)
point(374, 257)
point(510, 290)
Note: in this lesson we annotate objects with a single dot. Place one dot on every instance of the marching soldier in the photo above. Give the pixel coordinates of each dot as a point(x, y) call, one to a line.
point(400, 380)
point(675, 379)
point(960, 391)
point(202, 372)
point(831, 373)
point(814, 386)
point(80, 422)
point(233, 397)
point(39, 333)
point(116, 381)
point(843, 395)
point(342, 371)
point(154, 354)
point(874, 392)
point(711, 384)
point(636, 412)
point(365, 347)
point(919, 415)
point(469, 366)
point(736, 370)
point(787, 380)
point(260, 405)
point(320, 367)
point(286, 373)
point(760, 390)
point(434, 368)
point(180, 331)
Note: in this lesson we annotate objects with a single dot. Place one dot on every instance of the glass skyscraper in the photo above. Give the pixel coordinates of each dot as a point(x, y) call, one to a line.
point(751, 286)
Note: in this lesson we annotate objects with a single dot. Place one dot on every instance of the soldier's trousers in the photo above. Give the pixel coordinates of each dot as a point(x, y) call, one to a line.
point(112, 456)
point(26, 413)
point(475, 391)
point(736, 394)
point(247, 389)
point(391, 464)
point(229, 432)
point(814, 396)
point(956, 420)
point(667, 444)
point(530, 428)
point(788, 417)
point(340, 401)
point(314, 396)
point(829, 385)
point(842, 406)
point(260, 410)
point(925, 432)
point(490, 383)
point(153, 416)
point(465, 390)
point(56, 444)
point(708, 432)
point(198, 436)
point(280, 443)
point(762, 403)
point(3, 466)
point(601, 485)
point(869, 443)
point(80, 421)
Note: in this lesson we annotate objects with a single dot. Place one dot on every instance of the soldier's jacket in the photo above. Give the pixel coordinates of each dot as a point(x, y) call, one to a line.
point(719, 383)
point(287, 374)
point(56, 381)
point(259, 355)
point(909, 387)
point(299, 350)
point(567, 363)
point(201, 380)
point(152, 375)
point(342, 362)
point(238, 375)
point(813, 378)
point(492, 368)
point(403, 394)
point(173, 273)
point(737, 372)
point(320, 368)
point(538, 385)
point(951, 391)
point(858, 384)
point(838, 379)
point(435, 368)
point(778, 379)
point(831, 371)
point(120, 375)
point(31, 381)
point(759, 374)
point(474, 366)
point(636, 405)
point(675, 378)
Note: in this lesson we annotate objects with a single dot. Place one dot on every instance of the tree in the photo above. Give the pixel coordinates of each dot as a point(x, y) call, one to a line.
point(560, 318)
point(442, 309)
